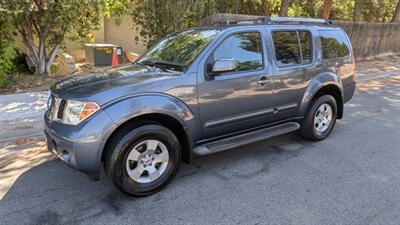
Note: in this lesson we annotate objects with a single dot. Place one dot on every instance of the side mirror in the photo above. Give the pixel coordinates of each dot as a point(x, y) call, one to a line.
point(224, 65)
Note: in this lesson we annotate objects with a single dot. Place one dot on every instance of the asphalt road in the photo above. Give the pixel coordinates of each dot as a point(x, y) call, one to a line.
point(350, 178)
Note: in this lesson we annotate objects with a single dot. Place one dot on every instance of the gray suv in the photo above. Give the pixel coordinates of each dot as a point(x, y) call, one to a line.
point(198, 92)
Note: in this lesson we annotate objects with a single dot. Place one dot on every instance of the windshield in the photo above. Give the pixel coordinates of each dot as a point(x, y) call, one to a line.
point(179, 50)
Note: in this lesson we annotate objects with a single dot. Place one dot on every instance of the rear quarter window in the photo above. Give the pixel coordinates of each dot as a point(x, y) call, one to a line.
point(334, 44)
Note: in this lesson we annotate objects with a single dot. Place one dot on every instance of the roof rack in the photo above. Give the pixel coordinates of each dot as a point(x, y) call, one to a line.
point(276, 20)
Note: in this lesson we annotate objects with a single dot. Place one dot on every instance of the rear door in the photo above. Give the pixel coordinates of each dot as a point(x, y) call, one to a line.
point(237, 100)
point(294, 67)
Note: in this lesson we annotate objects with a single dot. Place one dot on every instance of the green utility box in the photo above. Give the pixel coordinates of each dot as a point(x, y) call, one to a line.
point(101, 54)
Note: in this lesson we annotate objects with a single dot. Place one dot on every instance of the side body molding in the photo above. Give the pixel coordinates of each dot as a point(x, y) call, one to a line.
point(316, 84)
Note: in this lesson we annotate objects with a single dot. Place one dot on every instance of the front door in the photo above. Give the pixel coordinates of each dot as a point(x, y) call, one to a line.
point(236, 100)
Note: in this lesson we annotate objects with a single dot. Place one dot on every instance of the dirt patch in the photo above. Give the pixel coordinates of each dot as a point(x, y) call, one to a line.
point(377, 84)
point(28, 83)
point(378, 64)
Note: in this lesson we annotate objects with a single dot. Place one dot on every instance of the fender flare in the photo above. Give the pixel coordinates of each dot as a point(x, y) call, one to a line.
point(319, 82)
point(125, 109)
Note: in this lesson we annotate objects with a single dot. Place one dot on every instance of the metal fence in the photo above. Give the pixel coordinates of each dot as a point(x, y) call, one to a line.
point(368, 39)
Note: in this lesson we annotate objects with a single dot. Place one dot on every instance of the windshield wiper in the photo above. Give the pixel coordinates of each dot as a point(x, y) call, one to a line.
point(169, 67)
point(153, 64)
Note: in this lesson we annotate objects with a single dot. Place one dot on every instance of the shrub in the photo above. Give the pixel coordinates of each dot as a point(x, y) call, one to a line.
point(7, 65)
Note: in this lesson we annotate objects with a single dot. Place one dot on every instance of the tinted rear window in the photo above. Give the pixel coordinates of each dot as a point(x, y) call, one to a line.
point(292, 47)
point(287, 48)
point(334, 44)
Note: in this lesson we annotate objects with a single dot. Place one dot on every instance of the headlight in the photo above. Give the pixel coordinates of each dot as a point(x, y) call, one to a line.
point(75, 112)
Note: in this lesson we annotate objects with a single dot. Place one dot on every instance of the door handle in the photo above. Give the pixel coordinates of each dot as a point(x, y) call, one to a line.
point(263, 81)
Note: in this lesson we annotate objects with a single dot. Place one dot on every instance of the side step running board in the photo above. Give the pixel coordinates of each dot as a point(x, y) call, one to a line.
point(243, 139)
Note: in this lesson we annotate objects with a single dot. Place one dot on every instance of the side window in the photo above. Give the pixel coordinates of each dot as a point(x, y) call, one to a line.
point(287, 49)
point(334, 44)
point(306, 46)
point(245, 48)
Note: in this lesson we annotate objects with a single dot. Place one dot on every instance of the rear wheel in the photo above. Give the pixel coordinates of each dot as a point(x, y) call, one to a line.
point(320, 118)
point(144, 160)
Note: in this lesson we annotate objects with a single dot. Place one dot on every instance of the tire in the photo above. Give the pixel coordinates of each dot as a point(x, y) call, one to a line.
point(133, 156)
point(316, 130)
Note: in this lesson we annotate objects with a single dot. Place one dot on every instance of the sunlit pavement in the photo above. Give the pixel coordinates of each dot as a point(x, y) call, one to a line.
point(22, 115)
point(350, 178)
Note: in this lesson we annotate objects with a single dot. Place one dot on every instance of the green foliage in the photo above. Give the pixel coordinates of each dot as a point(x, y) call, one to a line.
point(45, 24)
point(342, 10)
point(117, 8)
point(372, 11)
point(306, 8)
point(7, 56)
point(7, 50)
point(160, 17)
point(7, 66)
point(54, 67)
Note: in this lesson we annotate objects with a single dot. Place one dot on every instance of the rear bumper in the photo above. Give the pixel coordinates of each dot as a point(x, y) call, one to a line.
point(79, 146)
point(348, 92)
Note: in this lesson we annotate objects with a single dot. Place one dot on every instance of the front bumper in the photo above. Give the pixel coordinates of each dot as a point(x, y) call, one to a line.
point(79, 146)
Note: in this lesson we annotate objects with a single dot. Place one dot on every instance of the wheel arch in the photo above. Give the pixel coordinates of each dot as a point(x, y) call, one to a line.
point(152, 108)
point(165, 120)
point(327, 83)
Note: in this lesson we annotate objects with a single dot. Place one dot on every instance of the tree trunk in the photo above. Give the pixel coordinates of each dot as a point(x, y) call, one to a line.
point(357, 10)
point(40, 66)
point(38, 54)
point(373, 11)
point(284, 8)
point(396, 15)
point(327, 9)
point(50, 58)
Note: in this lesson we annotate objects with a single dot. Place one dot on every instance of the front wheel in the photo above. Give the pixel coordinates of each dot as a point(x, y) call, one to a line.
point(320, 118)
point(143, 161)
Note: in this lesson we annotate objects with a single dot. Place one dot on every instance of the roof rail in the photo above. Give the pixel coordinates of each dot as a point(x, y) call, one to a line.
point(298, 20)
point(277, 20)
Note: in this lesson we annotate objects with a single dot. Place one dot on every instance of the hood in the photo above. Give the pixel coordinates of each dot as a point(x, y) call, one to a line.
point(110, 83)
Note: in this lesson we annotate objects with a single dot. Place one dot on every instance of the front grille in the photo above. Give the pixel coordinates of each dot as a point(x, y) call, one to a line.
point(56, 109)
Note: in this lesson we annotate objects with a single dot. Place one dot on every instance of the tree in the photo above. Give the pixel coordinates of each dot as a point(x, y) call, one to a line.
point(7, 51)
point(284, 8)
point(44, 24)
point(357, 10)
point(396, 14)
point(327, 8)
point(157, 18)
point(375, 8)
